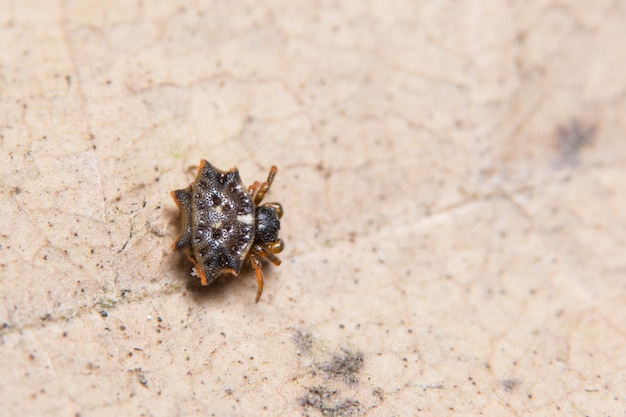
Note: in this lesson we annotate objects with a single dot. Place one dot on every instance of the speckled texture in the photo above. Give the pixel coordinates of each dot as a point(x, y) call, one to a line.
point(217, 221)
point(452, 175)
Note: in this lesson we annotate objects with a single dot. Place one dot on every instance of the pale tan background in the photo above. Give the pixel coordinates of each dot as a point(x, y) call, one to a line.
point(453, 176)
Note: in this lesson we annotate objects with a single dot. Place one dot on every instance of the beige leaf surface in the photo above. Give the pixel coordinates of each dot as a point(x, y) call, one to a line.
point(453, 175)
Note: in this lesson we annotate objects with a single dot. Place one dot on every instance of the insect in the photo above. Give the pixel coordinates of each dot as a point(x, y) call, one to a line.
point(223, 224)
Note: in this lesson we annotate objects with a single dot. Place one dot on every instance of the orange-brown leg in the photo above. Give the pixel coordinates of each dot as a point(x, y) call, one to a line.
point(260, 194)
point(264, 252)
point(252, 189)
point(275, 247)
point(258, 272)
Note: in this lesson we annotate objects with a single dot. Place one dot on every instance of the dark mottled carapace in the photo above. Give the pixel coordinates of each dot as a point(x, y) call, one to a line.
point(218, 222)
point(223, 224)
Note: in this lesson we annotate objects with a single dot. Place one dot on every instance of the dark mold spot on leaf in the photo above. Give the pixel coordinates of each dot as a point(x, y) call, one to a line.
point(571, 138)
point(510, 384)
point(344, 365)
point(303, 341)
point(326, 401)
point(379, 393)
point(141, 377)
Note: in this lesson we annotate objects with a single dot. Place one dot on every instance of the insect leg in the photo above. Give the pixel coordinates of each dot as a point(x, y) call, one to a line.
point(260, 194)
point(264, 252)
point(258, 272)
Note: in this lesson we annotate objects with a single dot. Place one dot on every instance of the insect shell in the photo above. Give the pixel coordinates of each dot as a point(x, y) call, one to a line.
point(223, 224)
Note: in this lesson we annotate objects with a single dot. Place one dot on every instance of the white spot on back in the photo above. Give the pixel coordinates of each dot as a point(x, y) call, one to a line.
point(246, 218)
